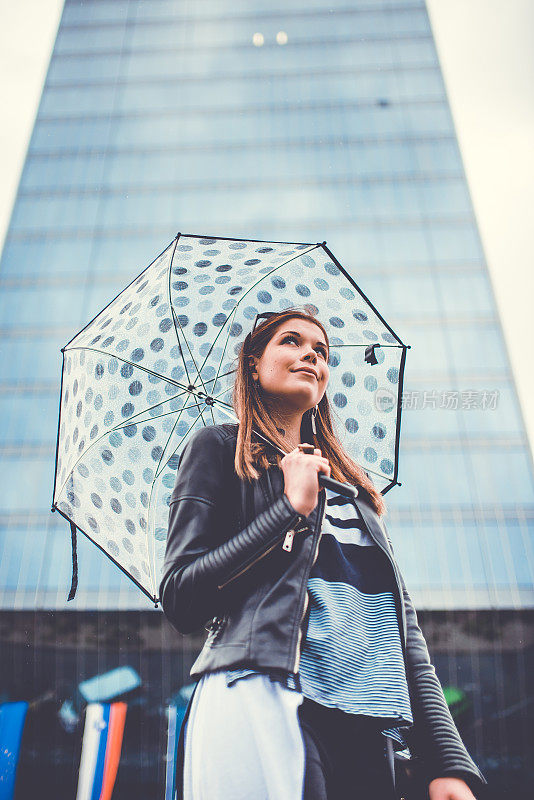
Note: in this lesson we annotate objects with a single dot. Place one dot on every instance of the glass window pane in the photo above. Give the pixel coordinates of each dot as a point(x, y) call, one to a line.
point(19, 474)
point(31, 418)
point(45, 306)
point(49, 255)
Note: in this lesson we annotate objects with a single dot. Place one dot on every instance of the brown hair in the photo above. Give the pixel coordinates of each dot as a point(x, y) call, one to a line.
point(252, 412)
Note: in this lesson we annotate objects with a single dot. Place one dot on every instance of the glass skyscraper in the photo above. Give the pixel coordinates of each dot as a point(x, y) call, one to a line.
point(293, 121)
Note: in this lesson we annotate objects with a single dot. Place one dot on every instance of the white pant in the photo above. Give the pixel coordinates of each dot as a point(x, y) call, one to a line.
point(243, 742)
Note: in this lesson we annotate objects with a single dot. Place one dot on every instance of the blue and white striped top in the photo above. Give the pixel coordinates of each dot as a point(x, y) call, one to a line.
point(352, 657)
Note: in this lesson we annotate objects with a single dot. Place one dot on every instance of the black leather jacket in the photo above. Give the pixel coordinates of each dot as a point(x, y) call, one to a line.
point(226, 560)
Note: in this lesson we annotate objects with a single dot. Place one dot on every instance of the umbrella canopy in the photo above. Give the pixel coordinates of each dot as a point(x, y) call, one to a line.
point(158, 362)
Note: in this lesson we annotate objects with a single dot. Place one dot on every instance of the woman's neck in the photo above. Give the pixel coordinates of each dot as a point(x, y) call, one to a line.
point(288, 422)
point(291, 442)
point(289, 428)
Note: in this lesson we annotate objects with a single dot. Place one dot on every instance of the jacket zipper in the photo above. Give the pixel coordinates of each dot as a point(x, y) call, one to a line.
point(289, 537)
point(315, 551)
point(288, 541)
point(248, 566)
point(258, 558)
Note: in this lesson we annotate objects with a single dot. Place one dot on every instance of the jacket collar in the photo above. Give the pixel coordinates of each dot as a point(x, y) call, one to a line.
point(372, 520)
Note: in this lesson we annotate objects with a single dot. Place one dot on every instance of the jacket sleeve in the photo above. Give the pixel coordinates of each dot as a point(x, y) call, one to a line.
point(198, 560)
point(435, 736)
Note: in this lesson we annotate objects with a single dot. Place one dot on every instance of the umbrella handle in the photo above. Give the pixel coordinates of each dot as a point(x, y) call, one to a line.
point(344, 489)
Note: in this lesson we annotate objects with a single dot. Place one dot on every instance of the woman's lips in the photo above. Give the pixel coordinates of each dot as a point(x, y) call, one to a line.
point(307, 372)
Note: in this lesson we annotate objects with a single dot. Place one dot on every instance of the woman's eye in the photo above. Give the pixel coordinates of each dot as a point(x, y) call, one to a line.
point(320, 348)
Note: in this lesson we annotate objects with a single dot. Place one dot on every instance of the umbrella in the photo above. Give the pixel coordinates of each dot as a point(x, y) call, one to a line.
point(158, 361)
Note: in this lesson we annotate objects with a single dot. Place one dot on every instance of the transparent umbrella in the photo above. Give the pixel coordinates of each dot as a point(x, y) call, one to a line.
point(158, 362)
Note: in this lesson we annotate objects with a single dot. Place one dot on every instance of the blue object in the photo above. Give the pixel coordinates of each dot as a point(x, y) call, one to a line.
point(12, 717)
point(105, 687)
point(101, 753)
point(68, 717)
point(174, 721)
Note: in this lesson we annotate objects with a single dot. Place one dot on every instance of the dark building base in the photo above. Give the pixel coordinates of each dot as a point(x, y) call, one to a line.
point(484, 660)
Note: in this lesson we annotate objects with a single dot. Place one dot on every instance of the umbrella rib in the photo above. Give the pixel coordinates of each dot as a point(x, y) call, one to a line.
point(152, 539)
point(230, 239)
point(366, 344)
point(58, 428)
point(362, 294)
point(240, 301)
point(137, 277)
point(166, 414)
point(215, 397)
point(135, 419)
point(191, 383)
point(144, 369)
point(131, 363)
point(175, 319)
point(120, 427)
point(156, 476)
point(158, 473)
point(172, 310)
point(129, 421)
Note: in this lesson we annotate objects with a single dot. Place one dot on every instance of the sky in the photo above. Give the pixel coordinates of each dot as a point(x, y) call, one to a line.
point(486, 50)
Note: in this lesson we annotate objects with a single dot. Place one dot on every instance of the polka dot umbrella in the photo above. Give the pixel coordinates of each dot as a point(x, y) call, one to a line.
point(158, 362)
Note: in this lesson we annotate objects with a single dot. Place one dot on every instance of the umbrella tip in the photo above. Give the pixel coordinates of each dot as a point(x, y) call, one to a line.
point(178, 235)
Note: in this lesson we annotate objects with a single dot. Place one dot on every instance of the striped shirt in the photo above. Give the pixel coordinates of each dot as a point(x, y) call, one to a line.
point(351, 657)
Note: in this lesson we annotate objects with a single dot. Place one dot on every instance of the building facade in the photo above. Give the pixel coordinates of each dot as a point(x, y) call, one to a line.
point(291, 121)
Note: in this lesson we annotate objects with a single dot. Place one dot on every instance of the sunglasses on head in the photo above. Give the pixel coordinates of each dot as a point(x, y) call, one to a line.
point(264, 314)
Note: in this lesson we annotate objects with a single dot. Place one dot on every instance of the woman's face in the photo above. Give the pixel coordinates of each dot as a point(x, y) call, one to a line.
point(295, 345)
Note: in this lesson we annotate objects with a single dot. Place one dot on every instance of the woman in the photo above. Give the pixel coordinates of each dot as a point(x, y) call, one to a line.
point(314, 660)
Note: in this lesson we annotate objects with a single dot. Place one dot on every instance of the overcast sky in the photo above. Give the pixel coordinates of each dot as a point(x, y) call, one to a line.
point(486, 49)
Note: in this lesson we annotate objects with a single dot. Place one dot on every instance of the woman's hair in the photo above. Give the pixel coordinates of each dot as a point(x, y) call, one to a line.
point(251, 411)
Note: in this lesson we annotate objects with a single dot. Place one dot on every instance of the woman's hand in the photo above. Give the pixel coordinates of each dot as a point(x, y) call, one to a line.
point(449, 789)
point(301, 483)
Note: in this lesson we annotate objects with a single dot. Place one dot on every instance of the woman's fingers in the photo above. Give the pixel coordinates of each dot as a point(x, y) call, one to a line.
point(317, 452)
